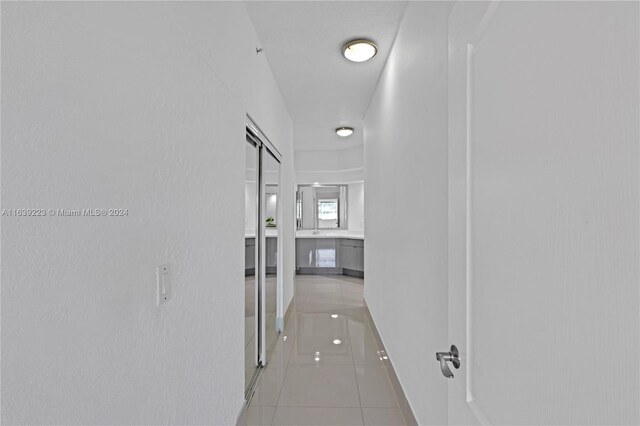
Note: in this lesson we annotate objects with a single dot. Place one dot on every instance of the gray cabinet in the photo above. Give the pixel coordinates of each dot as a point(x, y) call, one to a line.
point(317, 256)
point(305, 249)
point(352, 257)
point(348, 255)
point(330, 256)
point(326, 253)
point(249, 256)
point(271, 254)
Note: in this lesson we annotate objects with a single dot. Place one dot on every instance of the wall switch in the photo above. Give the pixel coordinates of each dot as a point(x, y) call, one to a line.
point(163, 278)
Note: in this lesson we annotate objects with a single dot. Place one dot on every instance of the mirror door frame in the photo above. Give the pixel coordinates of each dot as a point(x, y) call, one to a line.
point(263, 143)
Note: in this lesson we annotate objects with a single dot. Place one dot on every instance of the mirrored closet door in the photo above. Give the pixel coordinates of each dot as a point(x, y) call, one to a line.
point(262, 252)
point(251, 308)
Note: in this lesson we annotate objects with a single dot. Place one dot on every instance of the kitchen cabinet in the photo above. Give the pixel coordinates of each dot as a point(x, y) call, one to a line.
point(330, 256)
point(317, 256)
point(305, 249)
point(271, 255)
point(352, 257)
point(249, 256)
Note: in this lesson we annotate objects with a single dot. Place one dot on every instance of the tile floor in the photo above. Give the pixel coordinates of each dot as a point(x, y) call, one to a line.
point(326, 368)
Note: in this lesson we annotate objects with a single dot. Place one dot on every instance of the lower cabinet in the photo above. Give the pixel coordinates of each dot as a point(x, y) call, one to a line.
point(249, 256)
point(352, 257)
point(305, 253)
point(317, 256)
point(330, 256)
point(271, 255)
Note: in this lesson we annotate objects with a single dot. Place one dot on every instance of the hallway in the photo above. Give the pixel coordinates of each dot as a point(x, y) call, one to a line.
point(188, 188)
point(327, 367)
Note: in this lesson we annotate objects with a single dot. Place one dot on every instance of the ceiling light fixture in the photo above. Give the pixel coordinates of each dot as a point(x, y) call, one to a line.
point(337, 342)
point(343, 132)
point(359, 50)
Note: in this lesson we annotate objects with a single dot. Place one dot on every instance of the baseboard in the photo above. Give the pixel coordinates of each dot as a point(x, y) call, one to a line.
point(241, 419)
point(352, 273)
point(329, 271)
point(318, 271)
point(405, 408)
point(289, 311)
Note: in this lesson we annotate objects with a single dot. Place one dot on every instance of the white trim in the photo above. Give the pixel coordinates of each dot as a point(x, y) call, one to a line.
point(253, 127)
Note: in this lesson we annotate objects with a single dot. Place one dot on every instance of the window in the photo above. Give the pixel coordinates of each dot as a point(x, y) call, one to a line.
point(328, 210)
point(328, 213)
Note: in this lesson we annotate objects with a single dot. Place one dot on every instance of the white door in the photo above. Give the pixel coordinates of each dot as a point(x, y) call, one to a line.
point(544, 212)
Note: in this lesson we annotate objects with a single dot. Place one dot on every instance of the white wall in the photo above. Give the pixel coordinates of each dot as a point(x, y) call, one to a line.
point(329, 176)
point(322, 156)
point(355, 209)
point(139, 106)
point(330, 166)
point(339, 159)
point(406, 207)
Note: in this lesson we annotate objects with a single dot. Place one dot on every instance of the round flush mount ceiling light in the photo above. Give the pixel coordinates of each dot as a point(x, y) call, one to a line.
point(359, 50)
point(343, 132)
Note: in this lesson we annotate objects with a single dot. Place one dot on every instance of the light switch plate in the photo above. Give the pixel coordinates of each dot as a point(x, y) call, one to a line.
point(163, 279)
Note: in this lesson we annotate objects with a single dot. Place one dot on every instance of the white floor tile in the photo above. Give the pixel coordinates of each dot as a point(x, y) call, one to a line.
point(322, 350)
point(312, 380)
point(308, 416)
point(374, 387)
point(383, 417)
point(258, 416)
point(320, 386)
point(268, 388)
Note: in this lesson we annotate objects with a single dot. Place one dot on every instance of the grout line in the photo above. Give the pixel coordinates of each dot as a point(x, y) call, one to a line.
point(323, 406)
point(389, 371)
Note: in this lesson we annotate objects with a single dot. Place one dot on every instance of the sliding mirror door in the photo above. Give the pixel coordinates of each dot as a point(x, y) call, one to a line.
point(251, 264)
point(262, 252)
point(270, 224)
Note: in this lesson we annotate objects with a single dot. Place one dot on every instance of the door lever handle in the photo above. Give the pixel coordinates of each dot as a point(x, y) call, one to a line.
point(452, 356)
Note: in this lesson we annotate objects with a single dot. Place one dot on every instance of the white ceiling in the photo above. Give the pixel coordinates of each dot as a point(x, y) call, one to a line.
point(323, 90)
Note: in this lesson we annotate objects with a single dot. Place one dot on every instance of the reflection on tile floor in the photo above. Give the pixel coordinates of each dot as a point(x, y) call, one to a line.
point(326, 368)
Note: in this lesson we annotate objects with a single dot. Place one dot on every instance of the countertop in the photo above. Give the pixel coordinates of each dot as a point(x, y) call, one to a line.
point(355, 235)
point(252, 234)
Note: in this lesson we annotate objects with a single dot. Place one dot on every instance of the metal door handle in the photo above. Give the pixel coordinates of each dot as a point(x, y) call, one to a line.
point(453, 356)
